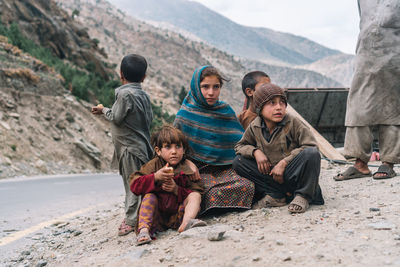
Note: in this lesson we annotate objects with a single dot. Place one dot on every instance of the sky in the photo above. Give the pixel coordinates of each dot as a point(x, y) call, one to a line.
point(332, 23)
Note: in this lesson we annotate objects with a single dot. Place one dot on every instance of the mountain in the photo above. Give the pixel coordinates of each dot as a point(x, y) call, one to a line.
point(337, 67)
point(248, 42)
point(172, 57)
point(43, 128)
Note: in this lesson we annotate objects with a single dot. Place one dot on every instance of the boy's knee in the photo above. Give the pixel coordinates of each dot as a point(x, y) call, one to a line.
point(312, 153)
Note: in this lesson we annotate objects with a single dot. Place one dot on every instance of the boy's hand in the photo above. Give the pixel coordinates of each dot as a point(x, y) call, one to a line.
point(97, 109)
point(262, 162)
point(196, 176)
point(164, 174)
point(170, 186)
point(278, 170)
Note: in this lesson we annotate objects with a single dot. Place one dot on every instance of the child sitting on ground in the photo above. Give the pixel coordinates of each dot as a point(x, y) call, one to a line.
point(279, 154)
point(250, 83)
point(169, 198)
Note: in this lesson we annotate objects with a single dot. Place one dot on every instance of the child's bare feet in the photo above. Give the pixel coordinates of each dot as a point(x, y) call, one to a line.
point(190, 224)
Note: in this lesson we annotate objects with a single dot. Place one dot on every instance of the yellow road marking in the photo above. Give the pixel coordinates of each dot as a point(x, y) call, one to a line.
point(17, 235)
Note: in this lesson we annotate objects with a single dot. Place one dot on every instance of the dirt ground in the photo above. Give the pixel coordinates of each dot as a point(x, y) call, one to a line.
point(358, 226)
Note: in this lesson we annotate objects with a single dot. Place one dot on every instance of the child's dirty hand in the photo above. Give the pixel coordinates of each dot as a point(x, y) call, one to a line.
point(170, 186)
point(196, 176)
point(263, 163)
point(278, 170)
point(164, 174)
point(97, 109)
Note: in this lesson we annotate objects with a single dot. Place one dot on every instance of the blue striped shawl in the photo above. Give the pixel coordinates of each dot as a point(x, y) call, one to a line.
point(212, 130)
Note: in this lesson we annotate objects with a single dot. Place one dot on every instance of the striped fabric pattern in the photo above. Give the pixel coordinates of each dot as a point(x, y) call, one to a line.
point(212, 130)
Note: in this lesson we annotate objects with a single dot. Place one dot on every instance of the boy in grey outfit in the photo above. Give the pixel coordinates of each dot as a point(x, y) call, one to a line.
point(130, 116)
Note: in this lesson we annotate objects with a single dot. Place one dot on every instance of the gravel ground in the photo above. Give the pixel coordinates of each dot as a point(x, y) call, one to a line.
point(358, 226)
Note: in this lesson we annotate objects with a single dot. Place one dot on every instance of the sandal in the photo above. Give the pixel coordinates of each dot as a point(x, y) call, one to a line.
point(351, 173)
point(268, 202)
point(298, 205)
point(125, 229)
point(194, 223)
point(145, 236)
point(385, 169)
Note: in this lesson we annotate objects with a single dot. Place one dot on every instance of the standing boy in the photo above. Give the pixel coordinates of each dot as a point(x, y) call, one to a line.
point(250, 83)
point(130, 117)
point(279, 154)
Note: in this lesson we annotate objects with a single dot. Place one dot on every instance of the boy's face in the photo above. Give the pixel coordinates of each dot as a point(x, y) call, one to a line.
point(210, 88)
point(274, 110)
point(260, 81)
point(171, 153)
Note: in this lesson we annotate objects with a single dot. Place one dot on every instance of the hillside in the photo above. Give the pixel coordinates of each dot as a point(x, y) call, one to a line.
point(44, 129)
point(253, 43)
point(173, 57)
point(337, 67)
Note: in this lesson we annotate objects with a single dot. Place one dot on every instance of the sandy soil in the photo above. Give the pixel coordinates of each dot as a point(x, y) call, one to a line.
point(358, 226)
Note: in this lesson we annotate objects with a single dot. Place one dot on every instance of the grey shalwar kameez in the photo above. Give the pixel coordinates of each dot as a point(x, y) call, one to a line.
point(131, 116)
point(374, 96)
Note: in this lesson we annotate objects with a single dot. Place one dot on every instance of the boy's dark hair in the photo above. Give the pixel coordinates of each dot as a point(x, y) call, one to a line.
point(250, 80)
point(170, 135)
point(133, 68)
point(211, 71)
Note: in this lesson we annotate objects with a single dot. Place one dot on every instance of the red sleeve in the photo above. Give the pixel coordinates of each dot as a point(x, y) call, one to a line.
point(183, 190)
point(143, 185)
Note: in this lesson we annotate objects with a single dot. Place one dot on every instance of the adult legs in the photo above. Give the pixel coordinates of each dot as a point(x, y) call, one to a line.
point(358, 144)
point(389, 147)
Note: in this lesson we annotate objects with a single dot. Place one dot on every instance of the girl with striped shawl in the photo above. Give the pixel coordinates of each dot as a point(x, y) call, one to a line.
point(212, 129)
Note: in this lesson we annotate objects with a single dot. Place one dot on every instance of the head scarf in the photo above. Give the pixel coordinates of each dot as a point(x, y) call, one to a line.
point(212, 130)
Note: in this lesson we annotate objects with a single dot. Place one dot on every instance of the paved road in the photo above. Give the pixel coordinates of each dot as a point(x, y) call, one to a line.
point(28, 204)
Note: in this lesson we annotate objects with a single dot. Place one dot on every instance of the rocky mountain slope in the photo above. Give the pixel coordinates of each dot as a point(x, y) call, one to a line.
point(254, 43)
point(172, 57)
point(337, 67)
point(43, 128)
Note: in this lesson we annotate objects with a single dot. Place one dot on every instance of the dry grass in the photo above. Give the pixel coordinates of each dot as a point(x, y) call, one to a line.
point(22, 73)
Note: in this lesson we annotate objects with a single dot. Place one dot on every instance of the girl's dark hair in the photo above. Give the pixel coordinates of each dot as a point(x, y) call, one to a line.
point(211, 71)
point(170, 135)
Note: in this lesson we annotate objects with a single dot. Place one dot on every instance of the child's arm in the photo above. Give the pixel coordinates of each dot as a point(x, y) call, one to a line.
point(196, 176)
point(150, 183)
point(278, 170)
point(247, 144)
point(247, 147)
point(119, 110)
point(302, 136)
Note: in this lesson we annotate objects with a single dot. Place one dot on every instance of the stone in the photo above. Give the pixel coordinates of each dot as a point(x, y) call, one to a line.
point(215, 236)
point(14, 115)
point(374, 209)
point(383, 225)
point(5, 125)
point(41, 263)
